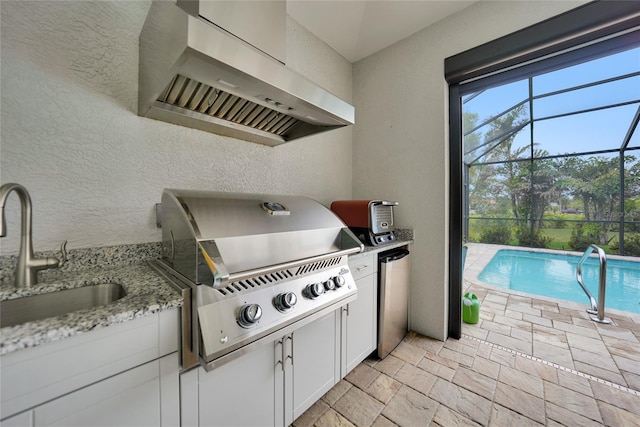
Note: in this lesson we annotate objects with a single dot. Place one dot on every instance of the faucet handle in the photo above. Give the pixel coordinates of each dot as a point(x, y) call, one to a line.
point(63, 249)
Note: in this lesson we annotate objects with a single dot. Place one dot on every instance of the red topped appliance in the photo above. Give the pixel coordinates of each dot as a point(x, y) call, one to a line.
point(370, 220)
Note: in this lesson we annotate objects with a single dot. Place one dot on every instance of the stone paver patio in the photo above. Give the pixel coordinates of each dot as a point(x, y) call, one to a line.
point(529, 361)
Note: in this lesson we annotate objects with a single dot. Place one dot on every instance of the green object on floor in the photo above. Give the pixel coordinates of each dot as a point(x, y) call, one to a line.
point(470, 308)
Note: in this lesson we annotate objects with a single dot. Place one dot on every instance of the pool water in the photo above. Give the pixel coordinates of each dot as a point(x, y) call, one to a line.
point(554, 275)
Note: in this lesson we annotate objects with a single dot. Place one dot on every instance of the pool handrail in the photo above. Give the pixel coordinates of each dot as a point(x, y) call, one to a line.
point(592, 300)
point(597, 307)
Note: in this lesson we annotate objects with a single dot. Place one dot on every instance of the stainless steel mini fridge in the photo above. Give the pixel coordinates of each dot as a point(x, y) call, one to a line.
point(394, 299)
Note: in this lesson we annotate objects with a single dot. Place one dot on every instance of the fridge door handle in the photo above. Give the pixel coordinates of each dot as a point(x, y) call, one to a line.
point(395, 256)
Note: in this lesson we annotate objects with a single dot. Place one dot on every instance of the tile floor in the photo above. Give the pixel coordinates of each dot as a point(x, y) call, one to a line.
point(529, 361)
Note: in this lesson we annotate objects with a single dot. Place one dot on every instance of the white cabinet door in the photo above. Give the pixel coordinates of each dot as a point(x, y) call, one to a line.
point(360, 318)
point(170, 390)
point(257, 389)
point(243, 392)
point(33, 376)
point(189, 398)
point(24, 419)
point(315, 361)
point(132, 398)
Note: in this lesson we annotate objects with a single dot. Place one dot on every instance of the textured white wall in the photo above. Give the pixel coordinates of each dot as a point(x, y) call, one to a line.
point(400, 146)
point(71, 135)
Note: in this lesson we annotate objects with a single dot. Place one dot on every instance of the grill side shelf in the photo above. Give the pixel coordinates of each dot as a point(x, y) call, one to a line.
point(189, 332)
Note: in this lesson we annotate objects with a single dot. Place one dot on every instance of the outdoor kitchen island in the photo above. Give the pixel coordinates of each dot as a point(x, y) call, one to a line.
point(120, 363)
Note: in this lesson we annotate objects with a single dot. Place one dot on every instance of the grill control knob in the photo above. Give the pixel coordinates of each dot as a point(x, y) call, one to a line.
point(315, 290)
point(339, 281)
point(329, 285)
point(249, 315)
point(285, 301)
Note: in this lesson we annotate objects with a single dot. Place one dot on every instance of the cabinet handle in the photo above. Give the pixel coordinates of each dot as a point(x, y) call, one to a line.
point(346, 309)
point(281, 361)
point(362, 267)
point(290, 337)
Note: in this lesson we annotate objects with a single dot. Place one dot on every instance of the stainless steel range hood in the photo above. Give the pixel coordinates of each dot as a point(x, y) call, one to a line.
point(195, 74)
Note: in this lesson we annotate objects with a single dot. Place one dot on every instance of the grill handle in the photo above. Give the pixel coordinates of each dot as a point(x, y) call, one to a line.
point(347, 240)
point(212, 270)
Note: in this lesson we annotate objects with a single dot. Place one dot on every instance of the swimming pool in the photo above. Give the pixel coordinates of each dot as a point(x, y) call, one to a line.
point(554, 275)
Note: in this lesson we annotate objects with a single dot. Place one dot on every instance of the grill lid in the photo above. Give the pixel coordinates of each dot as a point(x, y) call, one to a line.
point(213, 238)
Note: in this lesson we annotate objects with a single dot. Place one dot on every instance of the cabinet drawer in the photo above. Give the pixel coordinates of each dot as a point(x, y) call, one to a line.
point(130, 398)
point(33, 376)
point(363, 265)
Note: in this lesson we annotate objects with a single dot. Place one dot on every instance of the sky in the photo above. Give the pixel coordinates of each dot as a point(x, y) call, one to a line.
point(598, 130)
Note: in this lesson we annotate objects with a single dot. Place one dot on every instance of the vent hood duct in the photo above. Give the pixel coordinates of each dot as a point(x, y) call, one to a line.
point(194, 74)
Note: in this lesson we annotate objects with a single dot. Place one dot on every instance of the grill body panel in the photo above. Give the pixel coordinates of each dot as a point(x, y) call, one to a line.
point(237, 250)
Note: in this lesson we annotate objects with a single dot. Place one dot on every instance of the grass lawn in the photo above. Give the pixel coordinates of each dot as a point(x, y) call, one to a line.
point(560, 237)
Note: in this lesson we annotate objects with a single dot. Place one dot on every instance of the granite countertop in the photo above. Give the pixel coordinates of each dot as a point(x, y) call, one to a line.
point(397, 244)
point(404, 236)
point(146, 293)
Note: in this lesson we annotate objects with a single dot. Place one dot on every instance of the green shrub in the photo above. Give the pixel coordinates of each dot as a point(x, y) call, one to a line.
point(537, 240)
point(499, 234)
point(583, 235)
point(631, 245)
point(554, 221)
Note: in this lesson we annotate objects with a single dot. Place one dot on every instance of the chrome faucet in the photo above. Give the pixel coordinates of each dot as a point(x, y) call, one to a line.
point(28, 265)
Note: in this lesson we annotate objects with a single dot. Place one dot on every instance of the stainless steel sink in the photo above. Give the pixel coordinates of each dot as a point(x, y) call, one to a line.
point(36, 307)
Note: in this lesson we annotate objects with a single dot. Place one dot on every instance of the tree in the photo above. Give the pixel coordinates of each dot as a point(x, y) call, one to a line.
point(596, 182)
point(503, 170)
point(490, 184)
point(631, 194)
point(529, 184)
point(480, 183)
point(502, 133)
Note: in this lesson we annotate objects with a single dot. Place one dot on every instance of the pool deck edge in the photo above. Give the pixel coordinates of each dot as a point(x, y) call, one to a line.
point(480, 254)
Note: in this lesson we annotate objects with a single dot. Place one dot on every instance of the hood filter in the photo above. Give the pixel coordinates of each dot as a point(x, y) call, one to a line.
point(208, 100)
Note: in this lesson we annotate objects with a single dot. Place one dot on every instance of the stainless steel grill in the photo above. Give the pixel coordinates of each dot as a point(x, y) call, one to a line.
point(250, 266)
